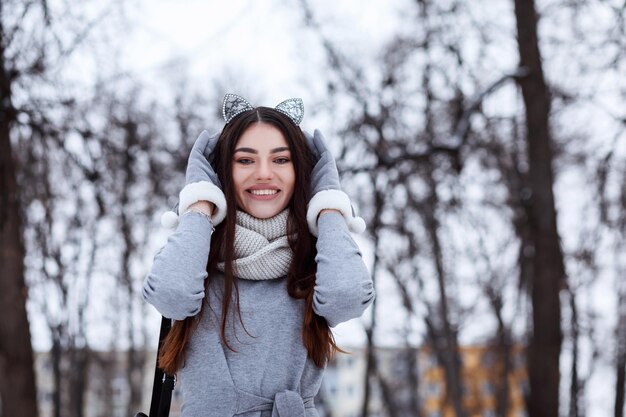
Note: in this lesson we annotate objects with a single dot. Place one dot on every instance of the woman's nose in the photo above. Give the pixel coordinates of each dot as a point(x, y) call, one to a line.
point(264, 170)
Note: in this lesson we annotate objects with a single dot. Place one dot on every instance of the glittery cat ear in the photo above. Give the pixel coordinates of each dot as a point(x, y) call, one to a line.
point(294, 108)
point(233, 105)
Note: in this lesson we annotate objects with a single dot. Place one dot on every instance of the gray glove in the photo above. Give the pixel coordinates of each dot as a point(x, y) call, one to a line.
point(326, 189)
point(200, 158)
point(201, 182)
point(325, 175)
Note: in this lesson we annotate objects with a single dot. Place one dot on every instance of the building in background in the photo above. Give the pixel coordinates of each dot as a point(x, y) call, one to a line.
point(482, 374)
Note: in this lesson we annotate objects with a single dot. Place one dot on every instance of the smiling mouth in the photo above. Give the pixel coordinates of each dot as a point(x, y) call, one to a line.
point(263, 192)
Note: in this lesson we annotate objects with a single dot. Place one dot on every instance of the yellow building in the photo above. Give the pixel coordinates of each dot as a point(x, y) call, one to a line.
point(415, 380)
point(482, 379)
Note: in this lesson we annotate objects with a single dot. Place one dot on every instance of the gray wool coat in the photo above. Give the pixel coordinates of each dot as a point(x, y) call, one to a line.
point(270, 374)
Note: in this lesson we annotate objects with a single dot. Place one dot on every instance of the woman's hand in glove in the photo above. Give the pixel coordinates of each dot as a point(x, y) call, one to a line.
point(326, 189)
point(201, 181)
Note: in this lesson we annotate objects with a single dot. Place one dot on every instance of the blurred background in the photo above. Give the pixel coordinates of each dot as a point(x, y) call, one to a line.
point(484, 143)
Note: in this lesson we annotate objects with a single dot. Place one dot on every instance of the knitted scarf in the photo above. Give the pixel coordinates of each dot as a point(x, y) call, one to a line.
point(261, 247)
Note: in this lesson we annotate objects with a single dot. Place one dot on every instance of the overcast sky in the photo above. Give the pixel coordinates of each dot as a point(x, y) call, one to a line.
point(260, 45)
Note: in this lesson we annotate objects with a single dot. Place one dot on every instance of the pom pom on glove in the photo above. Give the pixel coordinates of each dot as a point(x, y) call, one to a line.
point(169, 219)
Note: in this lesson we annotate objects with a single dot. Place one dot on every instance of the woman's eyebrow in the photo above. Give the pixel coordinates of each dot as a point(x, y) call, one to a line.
point(251, 150)
point(281, 149)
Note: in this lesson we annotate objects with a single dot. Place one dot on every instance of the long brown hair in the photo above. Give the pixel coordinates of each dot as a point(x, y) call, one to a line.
point(317, 337)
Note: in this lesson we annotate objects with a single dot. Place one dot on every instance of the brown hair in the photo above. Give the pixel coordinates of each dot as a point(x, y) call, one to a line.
point(316, 335)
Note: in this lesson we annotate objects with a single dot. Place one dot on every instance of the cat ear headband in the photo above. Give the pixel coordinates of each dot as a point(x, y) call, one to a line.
point(234, 104)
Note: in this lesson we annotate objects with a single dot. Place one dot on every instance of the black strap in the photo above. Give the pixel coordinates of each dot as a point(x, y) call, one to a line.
point(166, 396)
point(161, 391)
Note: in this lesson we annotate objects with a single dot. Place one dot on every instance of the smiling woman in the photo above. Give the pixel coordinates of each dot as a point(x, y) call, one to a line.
point(261, 266)
point(263, 172)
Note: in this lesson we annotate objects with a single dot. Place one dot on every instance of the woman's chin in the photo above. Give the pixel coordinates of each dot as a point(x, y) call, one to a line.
point(263, 212)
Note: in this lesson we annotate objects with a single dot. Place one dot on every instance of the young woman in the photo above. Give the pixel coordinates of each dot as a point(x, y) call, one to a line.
point(260, 267)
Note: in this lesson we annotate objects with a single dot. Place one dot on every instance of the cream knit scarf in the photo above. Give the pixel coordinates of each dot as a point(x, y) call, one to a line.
point(261, 247)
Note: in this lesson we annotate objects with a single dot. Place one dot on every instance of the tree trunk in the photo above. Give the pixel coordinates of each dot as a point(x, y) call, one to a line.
point(621, 357)
point(17, 385)
point(415, 408)
point(447, 343)
point(576, 387)
point(370, 355)
point(503, 353)
point(56, 356)
point(548, 269)
point(79, 382)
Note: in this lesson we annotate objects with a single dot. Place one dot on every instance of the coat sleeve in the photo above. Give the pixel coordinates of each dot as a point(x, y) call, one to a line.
point(175, 283)
point(343, 286)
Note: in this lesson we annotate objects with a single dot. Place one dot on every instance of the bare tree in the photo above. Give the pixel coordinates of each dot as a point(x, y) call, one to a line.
point(16, 360)
point(548, 275)
point(17, 389)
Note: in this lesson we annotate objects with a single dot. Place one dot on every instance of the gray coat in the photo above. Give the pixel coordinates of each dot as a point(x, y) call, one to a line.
point(270, 373)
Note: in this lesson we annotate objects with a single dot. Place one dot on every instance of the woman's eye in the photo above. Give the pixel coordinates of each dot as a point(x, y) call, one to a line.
point(283, 161)
point(244, 161)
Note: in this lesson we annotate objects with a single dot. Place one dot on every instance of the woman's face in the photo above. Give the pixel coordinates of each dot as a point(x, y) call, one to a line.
point(263, 172)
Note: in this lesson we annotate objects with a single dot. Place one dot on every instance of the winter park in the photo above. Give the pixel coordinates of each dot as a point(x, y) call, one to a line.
point(292, 208)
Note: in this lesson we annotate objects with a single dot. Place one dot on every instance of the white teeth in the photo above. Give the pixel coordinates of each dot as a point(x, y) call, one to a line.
point(263, 192)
